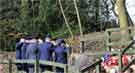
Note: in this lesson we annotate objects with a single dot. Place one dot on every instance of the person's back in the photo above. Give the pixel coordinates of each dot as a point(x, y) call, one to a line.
point(31, 51)
point(18, 47)
point(46, 51)
point(23, 50)
point(21, 54)
point(61, 52)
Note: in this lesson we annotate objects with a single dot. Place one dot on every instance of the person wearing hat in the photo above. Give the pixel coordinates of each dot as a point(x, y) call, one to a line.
point(46, 50)
point(61, 52)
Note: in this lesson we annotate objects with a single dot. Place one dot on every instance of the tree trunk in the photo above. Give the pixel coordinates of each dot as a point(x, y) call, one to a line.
point(123, 21)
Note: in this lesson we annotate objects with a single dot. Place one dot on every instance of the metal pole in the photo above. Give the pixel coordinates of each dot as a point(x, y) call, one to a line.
point(78, 17)
point(37, 66)
point(80, 26)
point(82, 46)
point(10, 66)
point(66, 21)
point(37, 59)
point(120, 62)
point(66, 69)
point(98, 68)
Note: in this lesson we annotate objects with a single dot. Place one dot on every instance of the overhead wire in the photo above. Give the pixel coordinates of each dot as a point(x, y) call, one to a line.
point(66, 22)
point(80, 27)
point(78, 18)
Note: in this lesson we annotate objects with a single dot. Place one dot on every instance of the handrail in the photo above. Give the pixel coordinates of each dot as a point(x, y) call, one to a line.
point(84, 69)
point(123, 51)
point(100, 53)
point(33, 62)
point(110, 38)
point(118, 29)
point(120, 57)
point(129, 46)
point(125, 68)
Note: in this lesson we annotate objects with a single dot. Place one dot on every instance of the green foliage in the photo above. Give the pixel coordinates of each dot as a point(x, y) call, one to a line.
point(44, 16)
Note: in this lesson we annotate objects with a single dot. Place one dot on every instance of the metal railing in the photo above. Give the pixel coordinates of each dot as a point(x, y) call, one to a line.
point(129, 44)
point(6, 44)
point(122, 68)
point(95, 65)
point(35, 62)
point(110, 37)
point(120, 54)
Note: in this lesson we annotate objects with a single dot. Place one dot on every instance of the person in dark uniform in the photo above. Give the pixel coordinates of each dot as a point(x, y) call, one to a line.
point(21, 53)
point(19, 44)
point(46, 50)
point(61, 52)
point(31, 54)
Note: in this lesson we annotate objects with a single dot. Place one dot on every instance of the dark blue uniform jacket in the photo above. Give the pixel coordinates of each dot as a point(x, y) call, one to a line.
point(61, 54)
point(31, 51)
point(18, 50)
point(46, 50)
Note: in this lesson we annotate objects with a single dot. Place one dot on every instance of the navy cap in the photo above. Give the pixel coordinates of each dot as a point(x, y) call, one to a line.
point(29, 37)
point(59, 41)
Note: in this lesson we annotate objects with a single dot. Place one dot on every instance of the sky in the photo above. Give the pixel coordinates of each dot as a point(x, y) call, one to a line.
point(130, 4)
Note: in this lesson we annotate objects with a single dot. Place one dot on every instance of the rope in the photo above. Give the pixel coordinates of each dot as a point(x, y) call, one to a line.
point(67, 24)
point(78, 18)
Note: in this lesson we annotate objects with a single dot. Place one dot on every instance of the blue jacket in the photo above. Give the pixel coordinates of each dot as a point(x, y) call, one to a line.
point(31, 51)
point(18, 50)
point(46, 50)
point(61, 54)
point(20, 54)
point(23, 50)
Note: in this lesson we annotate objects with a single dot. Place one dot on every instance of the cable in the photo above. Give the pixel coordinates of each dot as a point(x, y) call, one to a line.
point(78, 17)
point(67, 24)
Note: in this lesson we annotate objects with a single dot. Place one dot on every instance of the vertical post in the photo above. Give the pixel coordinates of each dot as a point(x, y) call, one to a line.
point(10, 66)
point(82, 46)
point(80, 25)
point(66, 69)
point(98, 67)
point(108, 40)
point(37, 57)
point(37, 66)
point(54, 68)
point(120, 62)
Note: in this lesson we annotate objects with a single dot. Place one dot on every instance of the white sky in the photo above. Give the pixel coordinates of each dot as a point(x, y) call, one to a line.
point(130, 4)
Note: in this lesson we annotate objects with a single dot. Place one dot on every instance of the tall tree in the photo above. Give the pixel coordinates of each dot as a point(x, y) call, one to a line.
point(123, 21)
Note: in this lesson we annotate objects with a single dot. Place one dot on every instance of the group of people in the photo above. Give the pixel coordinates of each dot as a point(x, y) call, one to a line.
point(111, 65)
point(32, 48)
